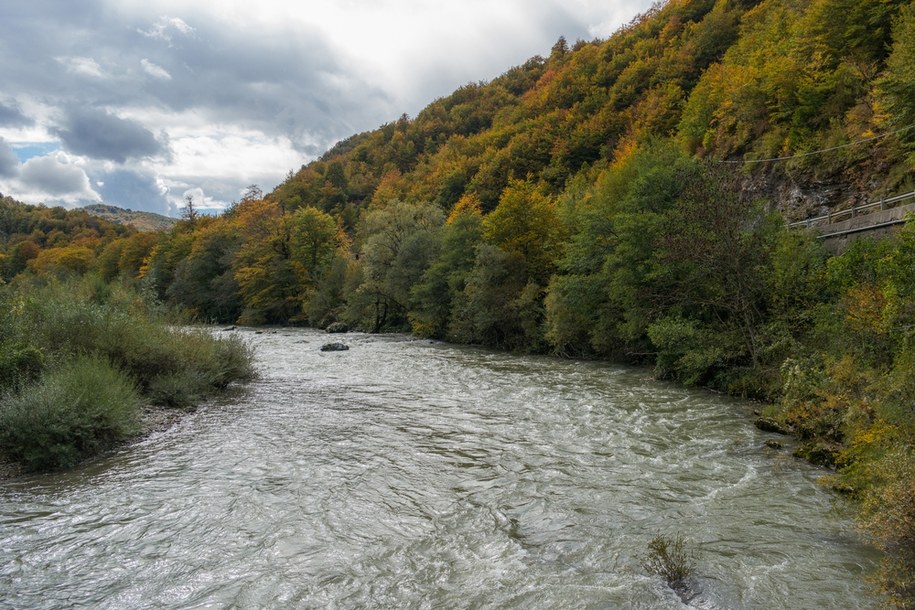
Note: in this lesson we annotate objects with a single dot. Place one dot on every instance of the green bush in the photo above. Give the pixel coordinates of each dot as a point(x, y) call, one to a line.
point(201, 364)
point(687, 352)
point(69, 414)
point(181, 389)
point(174, 367)
point(19, 363)
point(205, 364)
point(219, 360)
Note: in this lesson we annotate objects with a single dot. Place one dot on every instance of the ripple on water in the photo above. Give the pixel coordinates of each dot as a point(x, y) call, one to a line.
point(419, 475)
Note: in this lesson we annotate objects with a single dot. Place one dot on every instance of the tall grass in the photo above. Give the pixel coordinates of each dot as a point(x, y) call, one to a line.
point(669, 558)
point(116, 323)
point(88, 328)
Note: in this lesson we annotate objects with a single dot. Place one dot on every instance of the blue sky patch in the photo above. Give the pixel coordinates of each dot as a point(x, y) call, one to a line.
point(37, 149)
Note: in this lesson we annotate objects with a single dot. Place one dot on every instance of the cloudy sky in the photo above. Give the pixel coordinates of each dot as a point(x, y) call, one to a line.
point(142, 102)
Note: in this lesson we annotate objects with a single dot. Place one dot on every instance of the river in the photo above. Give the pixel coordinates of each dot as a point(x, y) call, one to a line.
point(413, 474)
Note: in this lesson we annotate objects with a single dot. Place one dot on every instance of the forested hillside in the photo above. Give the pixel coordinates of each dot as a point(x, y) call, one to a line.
point(622, 198)
point(55, 240)
point(357, 235)
point(726, 80)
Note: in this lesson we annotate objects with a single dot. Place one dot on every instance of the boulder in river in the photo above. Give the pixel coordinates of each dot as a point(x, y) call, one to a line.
point(337, 327)
point(334, 347)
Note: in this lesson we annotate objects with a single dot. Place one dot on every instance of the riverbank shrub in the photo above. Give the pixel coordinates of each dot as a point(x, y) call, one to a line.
point(19, 363)
point(125, 349)
point(204, 364)
point(889, 511)
point(80, 408)
point(116, 323)
point(847, 394)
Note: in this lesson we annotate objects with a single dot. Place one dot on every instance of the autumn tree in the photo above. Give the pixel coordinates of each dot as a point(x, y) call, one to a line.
point(263, 265)
point(313, 240)
point(896, 88)
point(73, 258)
point(526, 223)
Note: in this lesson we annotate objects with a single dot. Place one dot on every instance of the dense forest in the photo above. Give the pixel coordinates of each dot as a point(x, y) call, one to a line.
point(622, 198)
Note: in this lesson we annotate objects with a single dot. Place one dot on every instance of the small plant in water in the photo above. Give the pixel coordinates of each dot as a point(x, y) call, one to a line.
point(668, 558)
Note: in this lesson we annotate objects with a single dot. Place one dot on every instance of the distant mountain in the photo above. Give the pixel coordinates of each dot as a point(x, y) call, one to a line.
point(142, 221)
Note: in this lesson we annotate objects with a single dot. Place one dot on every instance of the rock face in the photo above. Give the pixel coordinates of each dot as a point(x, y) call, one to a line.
point(334, 347)
point(337, 327)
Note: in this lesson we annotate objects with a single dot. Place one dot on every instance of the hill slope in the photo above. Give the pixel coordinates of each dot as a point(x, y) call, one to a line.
point(52, 240)
point(728, 80)
point(141, 221)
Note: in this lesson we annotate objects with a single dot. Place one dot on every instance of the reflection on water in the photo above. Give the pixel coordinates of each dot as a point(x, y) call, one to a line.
point(410, 474)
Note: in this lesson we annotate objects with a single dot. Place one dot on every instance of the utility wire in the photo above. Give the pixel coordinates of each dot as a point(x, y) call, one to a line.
point(817, 152)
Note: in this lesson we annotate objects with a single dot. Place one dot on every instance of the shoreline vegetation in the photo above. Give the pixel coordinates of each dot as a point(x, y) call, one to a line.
point(87, 366)
point(152, 419)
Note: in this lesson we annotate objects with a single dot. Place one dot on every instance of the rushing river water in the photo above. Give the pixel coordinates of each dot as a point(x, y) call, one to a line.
point(409, 474)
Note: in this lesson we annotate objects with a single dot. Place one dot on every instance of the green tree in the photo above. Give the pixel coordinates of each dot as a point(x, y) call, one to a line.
point(487, 310)
point(609, 288)
point(399, 241)
point(204, 280)
point(434, 295)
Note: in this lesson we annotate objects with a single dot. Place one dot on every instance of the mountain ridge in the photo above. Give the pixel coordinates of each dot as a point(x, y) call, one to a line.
point(140, 220)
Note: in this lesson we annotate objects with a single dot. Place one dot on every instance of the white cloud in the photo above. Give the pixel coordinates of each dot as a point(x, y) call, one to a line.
point(246, 157)
point(202, 201)
point(41, 115)
point(164, 28)
point(154, 70)
point(85, 66)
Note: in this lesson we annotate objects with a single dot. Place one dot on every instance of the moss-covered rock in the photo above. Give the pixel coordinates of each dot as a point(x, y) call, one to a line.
point(768, 424)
